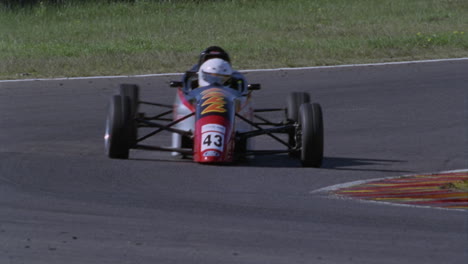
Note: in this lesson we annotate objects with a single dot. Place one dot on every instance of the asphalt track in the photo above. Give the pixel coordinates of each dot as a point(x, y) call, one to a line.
point(63, 201)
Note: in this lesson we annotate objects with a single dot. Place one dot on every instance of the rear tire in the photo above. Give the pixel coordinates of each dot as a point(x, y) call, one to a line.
point(116, 136)
point(187, 142)
point(311, 123)
point(293, 103)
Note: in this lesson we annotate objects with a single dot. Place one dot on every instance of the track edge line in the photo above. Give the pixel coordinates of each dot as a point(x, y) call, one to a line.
point(244, 71)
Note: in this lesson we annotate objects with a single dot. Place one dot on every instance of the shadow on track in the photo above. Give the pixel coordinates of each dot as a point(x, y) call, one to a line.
point(334, 163)
point(357, 164)
point(284, 161)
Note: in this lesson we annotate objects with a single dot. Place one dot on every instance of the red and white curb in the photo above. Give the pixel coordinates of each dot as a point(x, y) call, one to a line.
point(422, 190)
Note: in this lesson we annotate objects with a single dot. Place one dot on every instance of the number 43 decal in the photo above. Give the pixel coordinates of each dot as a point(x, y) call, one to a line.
point(218, 140)
point(212, 140)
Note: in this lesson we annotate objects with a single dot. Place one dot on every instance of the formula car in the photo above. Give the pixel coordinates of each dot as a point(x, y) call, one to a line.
point(214, 123)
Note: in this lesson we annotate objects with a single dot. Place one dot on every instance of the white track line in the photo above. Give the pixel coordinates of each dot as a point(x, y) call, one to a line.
point(246, 71)
point(405, 205)
point(358, 65)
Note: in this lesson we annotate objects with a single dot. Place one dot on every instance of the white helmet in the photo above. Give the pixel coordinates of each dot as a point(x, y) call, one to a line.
point(214, 71)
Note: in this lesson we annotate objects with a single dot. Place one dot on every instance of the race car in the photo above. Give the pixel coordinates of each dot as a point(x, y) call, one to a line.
point(214, 122)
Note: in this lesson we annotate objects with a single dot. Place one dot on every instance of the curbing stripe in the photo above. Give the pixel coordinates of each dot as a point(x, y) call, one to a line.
point(456, 205)
point(349, 184)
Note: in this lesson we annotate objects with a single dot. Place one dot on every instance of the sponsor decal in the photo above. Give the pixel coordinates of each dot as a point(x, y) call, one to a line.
point(213, 127)
point(211, 153)
point(214, 101)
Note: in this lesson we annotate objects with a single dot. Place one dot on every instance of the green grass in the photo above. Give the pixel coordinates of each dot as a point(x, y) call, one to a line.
point(166, 36)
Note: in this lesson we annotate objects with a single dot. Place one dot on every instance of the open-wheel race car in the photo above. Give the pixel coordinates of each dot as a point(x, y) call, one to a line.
point(213, 122)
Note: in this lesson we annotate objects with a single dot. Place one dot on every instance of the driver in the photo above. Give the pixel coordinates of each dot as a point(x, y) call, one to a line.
point(191, 77)
point(211, 53)
point(215, 71)
point(214, 65)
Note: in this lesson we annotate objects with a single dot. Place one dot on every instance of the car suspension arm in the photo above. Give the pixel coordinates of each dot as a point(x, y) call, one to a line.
point(156, 104)
point(185, 151)
point(266, 121)
point(158, 117)
point(268, 110)
point(262, 131)
point(167, 127)
point(164, 127)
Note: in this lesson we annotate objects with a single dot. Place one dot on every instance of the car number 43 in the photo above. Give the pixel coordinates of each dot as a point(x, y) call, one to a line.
point(212, 140)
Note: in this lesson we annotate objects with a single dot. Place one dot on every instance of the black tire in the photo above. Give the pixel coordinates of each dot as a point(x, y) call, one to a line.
point(293, 103)
point(241, 149)
point(131, 92)
point(116, 136)
point(311, 125)
point(187, 142)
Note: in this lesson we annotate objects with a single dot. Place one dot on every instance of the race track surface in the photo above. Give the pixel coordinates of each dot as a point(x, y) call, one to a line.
point(63, 201)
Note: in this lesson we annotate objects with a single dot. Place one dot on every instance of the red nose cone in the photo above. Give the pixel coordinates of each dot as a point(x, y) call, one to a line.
point(211, 160)
point(211, 156)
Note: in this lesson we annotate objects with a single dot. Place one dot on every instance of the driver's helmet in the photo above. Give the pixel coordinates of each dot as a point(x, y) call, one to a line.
point(214, 71)
point(213, 52)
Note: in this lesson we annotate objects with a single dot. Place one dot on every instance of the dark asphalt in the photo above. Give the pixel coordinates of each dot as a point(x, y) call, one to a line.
point(63, 201)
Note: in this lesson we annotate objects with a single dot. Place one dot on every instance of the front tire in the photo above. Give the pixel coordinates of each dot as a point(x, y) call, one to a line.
point(311, 125)
point(131, 92)
point(116, 137)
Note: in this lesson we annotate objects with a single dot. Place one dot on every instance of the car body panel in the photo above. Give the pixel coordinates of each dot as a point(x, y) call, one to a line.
point(214, 124)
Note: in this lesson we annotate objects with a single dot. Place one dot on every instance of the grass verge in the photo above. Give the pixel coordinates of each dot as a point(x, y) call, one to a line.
point(166, 36)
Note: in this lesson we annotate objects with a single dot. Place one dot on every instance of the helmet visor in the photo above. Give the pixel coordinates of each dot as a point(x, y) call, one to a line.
point(212, 78)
